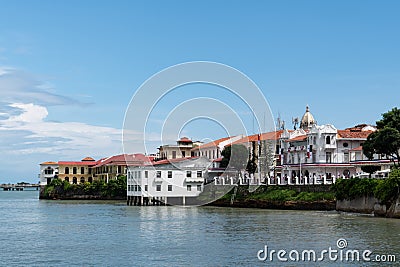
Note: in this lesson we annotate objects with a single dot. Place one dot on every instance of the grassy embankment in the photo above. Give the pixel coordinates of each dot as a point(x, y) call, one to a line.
point(281, 194)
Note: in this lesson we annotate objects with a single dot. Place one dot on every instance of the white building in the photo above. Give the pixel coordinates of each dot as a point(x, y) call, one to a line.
point(167, 181)
point(321, 153)
point(48, 172)
point(182, 149)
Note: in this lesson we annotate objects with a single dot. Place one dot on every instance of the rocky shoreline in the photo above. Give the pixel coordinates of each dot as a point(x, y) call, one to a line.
point(322, 205)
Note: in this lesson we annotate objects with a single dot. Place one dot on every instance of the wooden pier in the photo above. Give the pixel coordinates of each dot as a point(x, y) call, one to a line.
point(20, 187)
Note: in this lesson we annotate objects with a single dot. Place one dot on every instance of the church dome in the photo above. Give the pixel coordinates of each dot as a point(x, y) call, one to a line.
point(307, 121)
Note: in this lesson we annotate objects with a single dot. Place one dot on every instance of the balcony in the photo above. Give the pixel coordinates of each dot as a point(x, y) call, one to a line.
point(194, 179)
point(330, 146)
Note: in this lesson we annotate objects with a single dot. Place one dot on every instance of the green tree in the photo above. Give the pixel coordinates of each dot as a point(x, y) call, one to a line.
point(370, 169)
point(388, 189)
point(251, 165)
point(386, 140)
point(234, 156)
point(390, 119)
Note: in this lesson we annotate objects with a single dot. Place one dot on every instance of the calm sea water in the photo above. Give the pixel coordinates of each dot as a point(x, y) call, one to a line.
point(91, 233)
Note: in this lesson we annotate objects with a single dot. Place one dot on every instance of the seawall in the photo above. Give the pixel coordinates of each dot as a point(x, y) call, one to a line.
point(64, 196)
point(243, 199)
point(370, 205)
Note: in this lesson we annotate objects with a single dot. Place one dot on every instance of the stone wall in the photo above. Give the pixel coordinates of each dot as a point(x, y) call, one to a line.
point(370, 205)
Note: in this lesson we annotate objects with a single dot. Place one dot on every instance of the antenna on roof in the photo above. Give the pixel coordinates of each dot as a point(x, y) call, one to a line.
point(295, 122)
point(280, 124)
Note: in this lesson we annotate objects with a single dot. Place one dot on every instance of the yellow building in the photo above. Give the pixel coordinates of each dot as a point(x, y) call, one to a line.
point(110, 168)
point(76, 172)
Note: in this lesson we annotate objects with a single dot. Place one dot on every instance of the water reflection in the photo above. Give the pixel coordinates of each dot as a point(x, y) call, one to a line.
point(91, 233)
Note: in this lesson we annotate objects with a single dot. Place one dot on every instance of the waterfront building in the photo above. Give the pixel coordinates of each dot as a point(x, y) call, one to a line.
point(264, 149)
point(321, 153)
point(48, 172)
point(212, 150)
point(110, 168)
point(182, 149)
point(173, 181)
point(76, 172)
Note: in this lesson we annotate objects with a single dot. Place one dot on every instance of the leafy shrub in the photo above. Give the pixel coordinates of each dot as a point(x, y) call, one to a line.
point(353, 188)
point(114, 188)
point(387, 190)
point(315, 196)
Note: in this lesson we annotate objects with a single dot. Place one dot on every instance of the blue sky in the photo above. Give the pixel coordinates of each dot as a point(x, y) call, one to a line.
point(68, 69)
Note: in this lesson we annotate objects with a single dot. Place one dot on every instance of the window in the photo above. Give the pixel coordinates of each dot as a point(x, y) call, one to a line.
point(170, 187)
point(169, 174)
point(90, 171)
point(199, 187)
point(74, 171)
point(90, 179)
point(158, 174)
point(183, 154)
point(139, 188)
point(188, 174)
point(66, 170)
point(199, 174)
point(82, 170)
point(146, 175)
point(345, 144)
point(174, 154)
point(119, 169)
point(189, 187)
point(328, 140)
point(328, 157)
point(158, 187)
point(146, 187)
point(49, 170)
point(67, 179)
point(82, 180)
point(74, 180)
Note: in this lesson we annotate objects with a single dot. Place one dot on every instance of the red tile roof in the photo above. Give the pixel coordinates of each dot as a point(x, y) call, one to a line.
point(298, 138)
point(357, 149)
point(125, 160)
point(185, 140)
point(79, 163)
point(88, 159)
point(264, 136)
point(211, 144)
point(168, 161)
point(49, 163)
point(353, 134)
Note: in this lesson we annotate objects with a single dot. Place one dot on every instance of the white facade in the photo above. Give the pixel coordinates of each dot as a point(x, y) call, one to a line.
point(324, 153)
point(182, 149)
point(48, 172)
point(178, 180)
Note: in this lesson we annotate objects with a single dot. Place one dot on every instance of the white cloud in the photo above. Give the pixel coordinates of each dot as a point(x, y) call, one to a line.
point(17, 86)
point(31, 113)
point(61, 138)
